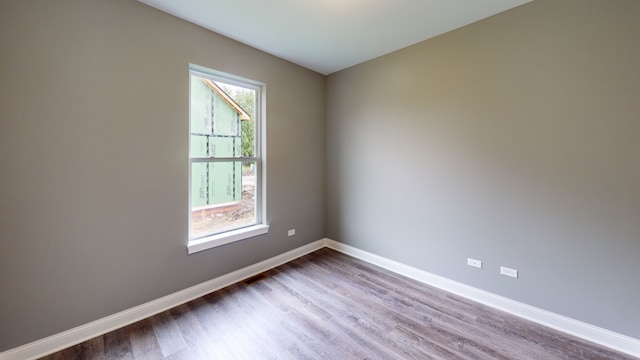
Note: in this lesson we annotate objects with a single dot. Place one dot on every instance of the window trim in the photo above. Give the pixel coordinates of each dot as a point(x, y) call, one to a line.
point(260, 227)
point(226, 237)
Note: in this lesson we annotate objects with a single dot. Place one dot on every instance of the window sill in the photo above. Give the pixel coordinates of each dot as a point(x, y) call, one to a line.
point(225, 238)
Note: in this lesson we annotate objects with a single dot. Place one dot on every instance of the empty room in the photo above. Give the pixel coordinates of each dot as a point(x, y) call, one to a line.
point(319, 179)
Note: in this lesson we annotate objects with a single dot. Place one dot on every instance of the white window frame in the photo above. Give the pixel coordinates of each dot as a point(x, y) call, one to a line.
point(260, 227)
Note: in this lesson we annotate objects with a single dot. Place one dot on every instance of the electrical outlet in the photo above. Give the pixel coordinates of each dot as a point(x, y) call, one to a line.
point(291, 232)
point(475, 263)
point(509, 272)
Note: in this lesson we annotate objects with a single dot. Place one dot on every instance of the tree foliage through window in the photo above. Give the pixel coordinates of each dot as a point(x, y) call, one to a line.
point(246, 99)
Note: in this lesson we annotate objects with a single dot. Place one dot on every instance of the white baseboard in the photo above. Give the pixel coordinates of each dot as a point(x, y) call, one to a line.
point(567, 325)
point(57, 342)
point(88, 331)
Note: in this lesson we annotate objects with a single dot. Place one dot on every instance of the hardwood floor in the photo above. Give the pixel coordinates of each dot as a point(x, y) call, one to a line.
point(327, 305)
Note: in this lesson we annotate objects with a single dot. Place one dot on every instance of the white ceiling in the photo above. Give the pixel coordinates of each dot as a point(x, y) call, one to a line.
point(330, 35)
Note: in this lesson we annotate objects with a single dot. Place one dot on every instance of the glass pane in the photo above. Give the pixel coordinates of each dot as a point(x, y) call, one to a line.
point(222, 196)
point(222, 119)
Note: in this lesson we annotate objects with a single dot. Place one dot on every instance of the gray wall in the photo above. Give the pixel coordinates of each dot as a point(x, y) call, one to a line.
point(515, 140)
point(93, 160)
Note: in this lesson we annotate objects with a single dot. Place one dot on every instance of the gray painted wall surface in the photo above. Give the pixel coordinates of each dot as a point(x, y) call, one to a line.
point(514, 140)
point(93, 155)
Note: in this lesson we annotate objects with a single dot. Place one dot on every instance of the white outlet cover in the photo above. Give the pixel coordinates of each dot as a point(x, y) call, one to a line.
point(291, 232)
point(509, 272)
point(474, 263)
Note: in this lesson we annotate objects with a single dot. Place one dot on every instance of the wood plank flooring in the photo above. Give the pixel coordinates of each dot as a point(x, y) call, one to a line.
point(327, 305)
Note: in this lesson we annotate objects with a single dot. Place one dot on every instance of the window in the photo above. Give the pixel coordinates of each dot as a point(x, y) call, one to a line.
point(226, 188)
